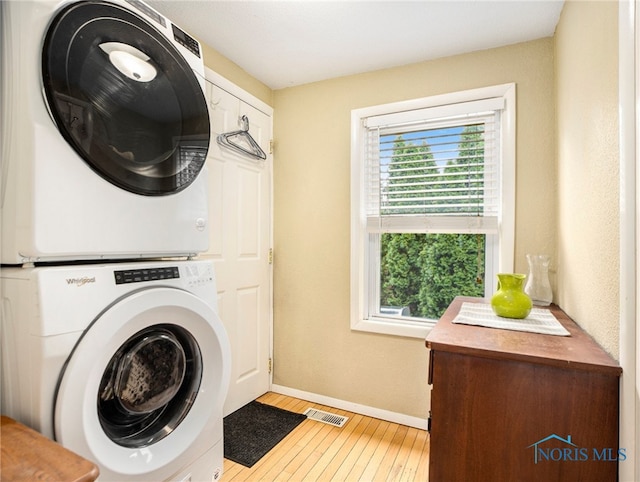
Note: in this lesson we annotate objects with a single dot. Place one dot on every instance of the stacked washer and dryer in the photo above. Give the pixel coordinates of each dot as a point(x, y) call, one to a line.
point(111, 343)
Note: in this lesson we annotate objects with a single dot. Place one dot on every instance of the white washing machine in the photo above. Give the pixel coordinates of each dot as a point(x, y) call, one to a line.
point(104, 133)
point(127, 365)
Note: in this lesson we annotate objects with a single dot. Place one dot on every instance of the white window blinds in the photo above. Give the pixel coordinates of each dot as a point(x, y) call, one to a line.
point(434, 169)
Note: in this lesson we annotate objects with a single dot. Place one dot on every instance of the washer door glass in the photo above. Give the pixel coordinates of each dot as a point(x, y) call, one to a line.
point(149, 385)
point(125, 99)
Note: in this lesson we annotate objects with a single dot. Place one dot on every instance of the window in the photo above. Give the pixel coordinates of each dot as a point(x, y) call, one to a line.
point(433, 193)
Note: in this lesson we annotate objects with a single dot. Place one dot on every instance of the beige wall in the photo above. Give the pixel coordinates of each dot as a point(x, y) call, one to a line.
point(588, 166)
point(314, 348)
point(232, 72)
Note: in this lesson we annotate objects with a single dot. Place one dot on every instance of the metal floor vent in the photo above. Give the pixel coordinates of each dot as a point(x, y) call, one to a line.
point(326, 417)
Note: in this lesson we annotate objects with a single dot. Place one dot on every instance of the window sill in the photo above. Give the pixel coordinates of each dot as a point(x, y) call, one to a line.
point(396, 327)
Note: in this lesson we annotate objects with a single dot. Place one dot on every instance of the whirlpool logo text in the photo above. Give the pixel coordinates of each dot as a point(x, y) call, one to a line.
point(81, 281)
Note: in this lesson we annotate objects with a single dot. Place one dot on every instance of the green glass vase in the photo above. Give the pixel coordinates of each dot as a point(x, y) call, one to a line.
point(510, 301)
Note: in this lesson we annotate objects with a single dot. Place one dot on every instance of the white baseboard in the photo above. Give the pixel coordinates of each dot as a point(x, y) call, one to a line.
point(379, 413)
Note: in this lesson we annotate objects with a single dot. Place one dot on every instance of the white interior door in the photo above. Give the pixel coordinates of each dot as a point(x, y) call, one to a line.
point(240, 238)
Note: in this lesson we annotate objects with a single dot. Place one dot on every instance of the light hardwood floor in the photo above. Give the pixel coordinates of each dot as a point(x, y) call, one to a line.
point(364, 449)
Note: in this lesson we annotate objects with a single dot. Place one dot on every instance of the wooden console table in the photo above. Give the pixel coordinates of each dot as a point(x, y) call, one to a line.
point(510, 405)
point(28, 455)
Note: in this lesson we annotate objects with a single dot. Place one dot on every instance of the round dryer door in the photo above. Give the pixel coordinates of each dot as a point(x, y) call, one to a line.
point(144, 383)
point(125, 99)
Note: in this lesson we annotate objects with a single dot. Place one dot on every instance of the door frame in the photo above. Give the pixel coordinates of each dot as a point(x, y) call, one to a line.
point(258, 104)
point(629, 138)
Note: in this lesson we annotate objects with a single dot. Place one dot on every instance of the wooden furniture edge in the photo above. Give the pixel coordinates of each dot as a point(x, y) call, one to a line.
point(29, 455)
point(489, 342)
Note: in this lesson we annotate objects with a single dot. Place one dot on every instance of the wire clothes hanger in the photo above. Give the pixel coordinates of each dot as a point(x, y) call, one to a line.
point(241, 141)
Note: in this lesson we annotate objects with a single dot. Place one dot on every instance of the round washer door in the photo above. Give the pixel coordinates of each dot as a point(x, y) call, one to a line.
point(125, 99)
point(144, 382)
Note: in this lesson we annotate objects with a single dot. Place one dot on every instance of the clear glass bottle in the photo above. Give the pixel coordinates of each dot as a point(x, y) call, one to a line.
point(538, 287)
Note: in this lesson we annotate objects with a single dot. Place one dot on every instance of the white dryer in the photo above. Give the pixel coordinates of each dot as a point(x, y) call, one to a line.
point(127, 365)
point(105, 131)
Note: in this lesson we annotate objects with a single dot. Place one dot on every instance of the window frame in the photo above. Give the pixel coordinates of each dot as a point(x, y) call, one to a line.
point(362, 297)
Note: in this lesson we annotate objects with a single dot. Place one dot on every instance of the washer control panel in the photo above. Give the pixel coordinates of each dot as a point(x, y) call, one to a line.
point(148, 11)
point(198, 274)
point(186, 40)
point(146, 274)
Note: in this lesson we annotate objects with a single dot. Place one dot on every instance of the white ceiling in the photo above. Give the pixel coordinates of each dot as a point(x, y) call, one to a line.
point(287, 43)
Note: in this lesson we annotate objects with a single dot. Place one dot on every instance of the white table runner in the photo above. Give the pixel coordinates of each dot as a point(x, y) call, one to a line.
point(540, 320)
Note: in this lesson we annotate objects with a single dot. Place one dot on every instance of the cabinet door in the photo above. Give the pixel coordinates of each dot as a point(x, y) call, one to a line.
point(504, 420)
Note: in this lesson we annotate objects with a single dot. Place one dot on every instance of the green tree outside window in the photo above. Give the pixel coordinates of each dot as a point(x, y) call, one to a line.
point(426, 271)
